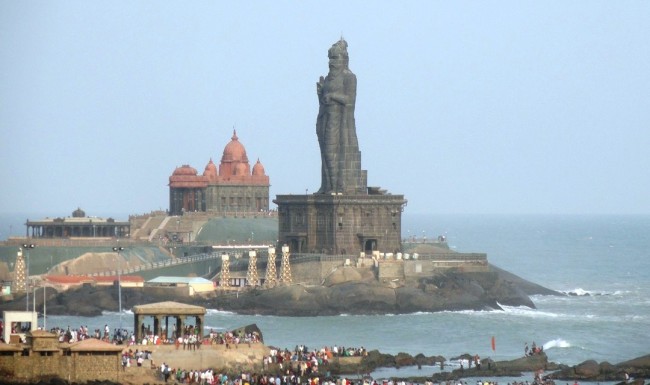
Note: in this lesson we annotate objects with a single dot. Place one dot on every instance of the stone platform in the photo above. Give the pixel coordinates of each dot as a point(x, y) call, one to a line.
point(339, 224)
point(241, 356)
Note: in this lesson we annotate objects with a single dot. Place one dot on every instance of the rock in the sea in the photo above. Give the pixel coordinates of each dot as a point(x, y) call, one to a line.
point(587, 369)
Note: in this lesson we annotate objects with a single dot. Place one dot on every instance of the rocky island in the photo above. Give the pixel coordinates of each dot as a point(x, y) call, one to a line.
point(348, 290)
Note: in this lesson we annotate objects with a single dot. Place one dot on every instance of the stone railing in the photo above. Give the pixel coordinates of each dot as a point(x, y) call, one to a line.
point(161, 264)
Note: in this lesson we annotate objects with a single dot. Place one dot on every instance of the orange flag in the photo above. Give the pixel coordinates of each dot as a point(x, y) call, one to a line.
point(494, 346)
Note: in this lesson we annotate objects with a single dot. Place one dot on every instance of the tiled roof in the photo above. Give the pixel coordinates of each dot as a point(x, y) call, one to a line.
point(68, 279)
point(79, 279)
point(168, 307)
point(41, 333)
point(93, 345)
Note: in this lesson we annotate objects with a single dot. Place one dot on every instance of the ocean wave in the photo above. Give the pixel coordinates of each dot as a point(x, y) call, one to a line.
point(556, 343)
point(528, 312)
point(117, 313)
point(475, 312)
point(580, 292)
point(215, 328)
point(219, 312)
point(418, 313)
point(106, 312)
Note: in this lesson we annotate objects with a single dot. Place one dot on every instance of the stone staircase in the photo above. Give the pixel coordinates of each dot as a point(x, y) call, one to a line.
point(146, 228)
point(161, 226)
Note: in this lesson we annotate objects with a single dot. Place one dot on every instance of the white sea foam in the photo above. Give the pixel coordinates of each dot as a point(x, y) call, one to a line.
point(528, 312)
point(218, 312)
point(117, 313)
point(106, 312)
point(216, 328)
point(580, 292)
point(556, 343)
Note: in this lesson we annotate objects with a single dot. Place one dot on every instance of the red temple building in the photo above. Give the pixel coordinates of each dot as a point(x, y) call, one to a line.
point(232, 188)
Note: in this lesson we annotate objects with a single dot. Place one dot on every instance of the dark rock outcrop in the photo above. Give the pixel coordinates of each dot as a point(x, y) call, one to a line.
point(350, 292)
point(604, 371)
point(347, 291)
point(490, 368)
point(374, 359)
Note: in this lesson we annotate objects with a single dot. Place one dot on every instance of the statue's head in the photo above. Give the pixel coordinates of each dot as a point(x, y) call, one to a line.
point(338, 55)
point(339, 49)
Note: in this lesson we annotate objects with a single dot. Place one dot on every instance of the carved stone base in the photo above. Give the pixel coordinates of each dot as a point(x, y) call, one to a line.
point(340, 224)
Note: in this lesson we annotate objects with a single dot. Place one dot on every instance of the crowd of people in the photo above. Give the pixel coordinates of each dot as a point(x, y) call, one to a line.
point(300, 366)
point(306, 361)
point(233, 337)
point(209, 377)
point(534, 349)
point(72, 335)
point(138, 357)
point(482, 382)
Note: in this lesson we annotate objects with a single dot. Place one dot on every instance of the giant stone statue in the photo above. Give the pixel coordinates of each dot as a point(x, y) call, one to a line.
point(345, 216)
point(337, 137)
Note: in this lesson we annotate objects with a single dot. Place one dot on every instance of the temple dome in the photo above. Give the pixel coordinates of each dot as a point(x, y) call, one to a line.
point(211, 170)
point(258, 169)
point(78, 213)
point(234, 151)
point(184, 170)
point(241, 169)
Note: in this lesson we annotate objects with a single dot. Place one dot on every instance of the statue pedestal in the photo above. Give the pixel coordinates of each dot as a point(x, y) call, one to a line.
point(341, 224)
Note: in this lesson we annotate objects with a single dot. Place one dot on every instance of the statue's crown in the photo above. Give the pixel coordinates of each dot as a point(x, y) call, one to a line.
point(340, 48)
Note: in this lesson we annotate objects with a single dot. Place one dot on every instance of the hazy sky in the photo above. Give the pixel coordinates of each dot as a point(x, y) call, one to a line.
point(463, 107)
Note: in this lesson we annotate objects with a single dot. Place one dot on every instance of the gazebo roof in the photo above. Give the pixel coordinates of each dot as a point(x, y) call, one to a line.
point(168, 308)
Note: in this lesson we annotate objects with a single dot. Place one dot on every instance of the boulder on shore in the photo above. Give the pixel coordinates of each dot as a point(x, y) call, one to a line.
point(604, 371)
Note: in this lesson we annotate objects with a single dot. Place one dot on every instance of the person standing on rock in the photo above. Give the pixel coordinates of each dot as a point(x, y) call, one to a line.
point(162, 370)
point(525, 349)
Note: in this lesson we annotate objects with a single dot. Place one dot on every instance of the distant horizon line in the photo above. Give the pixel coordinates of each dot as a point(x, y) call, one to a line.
point(39, 215)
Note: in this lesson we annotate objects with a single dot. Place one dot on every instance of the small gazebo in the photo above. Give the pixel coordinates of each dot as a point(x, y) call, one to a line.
point(162, 312)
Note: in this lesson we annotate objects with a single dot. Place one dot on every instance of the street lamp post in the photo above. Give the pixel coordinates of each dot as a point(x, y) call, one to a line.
point(27, 247)
point(44, 307)
point(118, 250)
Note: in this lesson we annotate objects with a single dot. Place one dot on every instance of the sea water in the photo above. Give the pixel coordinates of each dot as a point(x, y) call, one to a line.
point(600, 262)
